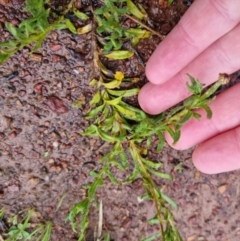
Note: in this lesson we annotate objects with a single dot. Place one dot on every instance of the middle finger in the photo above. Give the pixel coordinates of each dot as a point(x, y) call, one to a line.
point(223, 56)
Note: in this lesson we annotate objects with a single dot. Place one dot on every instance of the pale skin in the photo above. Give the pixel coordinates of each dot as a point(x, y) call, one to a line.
point(205, 42)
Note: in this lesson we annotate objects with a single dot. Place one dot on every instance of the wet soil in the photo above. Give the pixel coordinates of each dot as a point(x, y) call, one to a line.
point(43, 157)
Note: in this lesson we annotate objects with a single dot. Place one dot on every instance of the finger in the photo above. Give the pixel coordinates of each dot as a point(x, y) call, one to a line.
point(223, 56)
point(226, 116)
point(202, 24)
point(219, 154)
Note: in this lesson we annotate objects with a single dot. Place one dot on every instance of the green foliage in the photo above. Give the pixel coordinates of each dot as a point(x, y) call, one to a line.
point(21, 229)
point(110, 24)
point(132, 132)
point(31, 31)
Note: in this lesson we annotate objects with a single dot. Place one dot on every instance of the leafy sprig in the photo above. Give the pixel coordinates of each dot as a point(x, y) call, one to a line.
point(131, 132)
point(110, 24)
point(31, 31)
point(21, 229)
point(34, 30)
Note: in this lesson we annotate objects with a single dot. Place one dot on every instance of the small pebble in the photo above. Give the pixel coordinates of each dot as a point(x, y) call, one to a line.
point(56, 105)
point(55, 47)
point(36, 57)
point(222, 188)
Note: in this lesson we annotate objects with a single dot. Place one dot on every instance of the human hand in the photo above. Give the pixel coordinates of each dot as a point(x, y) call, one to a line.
point(205, 42)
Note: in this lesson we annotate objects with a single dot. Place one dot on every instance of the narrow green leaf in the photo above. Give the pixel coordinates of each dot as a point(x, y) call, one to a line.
point(112, 85)
point(109, 138)
point(119, 54)
point(137, 32)
point(93, 82)
point(186, 118)
point(124, 93)
point(47, 232)
point(115, 127)
point(96, 98)
point(160, 174)
point(138, 115)
point(112, 178)
point(208, 111)
point(59, 26)
point(89, 131)
point(153, 220)
point(161, 141)
point(174, 134)
point(85, 29)
point(9, 43)
point(12, 30)
point(136, 169)
point(190, 101)
point(107, 237)
point(106, 71)
point(127, 113)
point(80, 15)
point(153, 237)
point(119, 165)
point(134, 10)
point(97, 183)
point(196, 87)
point(99, 11)
point(169, 200)
point(70, 26)
point(114, 102)
point(95, 111)
point(124, 159)
point(152, 164)
point(175, 110)
point(4, 57)
point(196, 115)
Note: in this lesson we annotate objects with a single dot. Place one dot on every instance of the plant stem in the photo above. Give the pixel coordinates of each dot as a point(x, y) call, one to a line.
point(152, 187)
point(142, 24)
point(145, 26)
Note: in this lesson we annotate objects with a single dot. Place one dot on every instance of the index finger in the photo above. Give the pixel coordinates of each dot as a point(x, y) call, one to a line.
point(204, 23)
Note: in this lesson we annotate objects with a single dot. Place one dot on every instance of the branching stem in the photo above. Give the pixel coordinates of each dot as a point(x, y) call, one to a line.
point(142, 24)
point(152, 187)
point(145, 26)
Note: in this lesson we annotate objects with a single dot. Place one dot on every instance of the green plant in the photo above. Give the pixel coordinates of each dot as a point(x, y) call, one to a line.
point(131, 132)
point(21, 229)
point(109, 18)
point(33, 31)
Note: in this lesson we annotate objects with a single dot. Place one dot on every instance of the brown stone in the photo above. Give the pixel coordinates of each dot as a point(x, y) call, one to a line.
point(55, 47)
point(222, 188)
point(56, 105)
point(36, 57)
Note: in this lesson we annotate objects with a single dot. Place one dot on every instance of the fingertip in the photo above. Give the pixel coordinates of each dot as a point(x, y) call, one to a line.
point(181, 145)
point(152, 72)
point(201, 162)
point(155, 72)
point(218, 154)
point(147, 101)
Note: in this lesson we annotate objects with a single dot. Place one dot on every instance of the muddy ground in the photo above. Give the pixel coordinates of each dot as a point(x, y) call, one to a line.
point(43, 156)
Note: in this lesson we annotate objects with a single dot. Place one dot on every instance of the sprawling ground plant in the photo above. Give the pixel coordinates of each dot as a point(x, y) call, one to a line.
point(131, 132)
point(21, 228)
point(128, 130)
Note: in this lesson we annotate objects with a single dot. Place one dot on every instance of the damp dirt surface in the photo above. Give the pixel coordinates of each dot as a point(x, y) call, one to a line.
point(43, 156)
